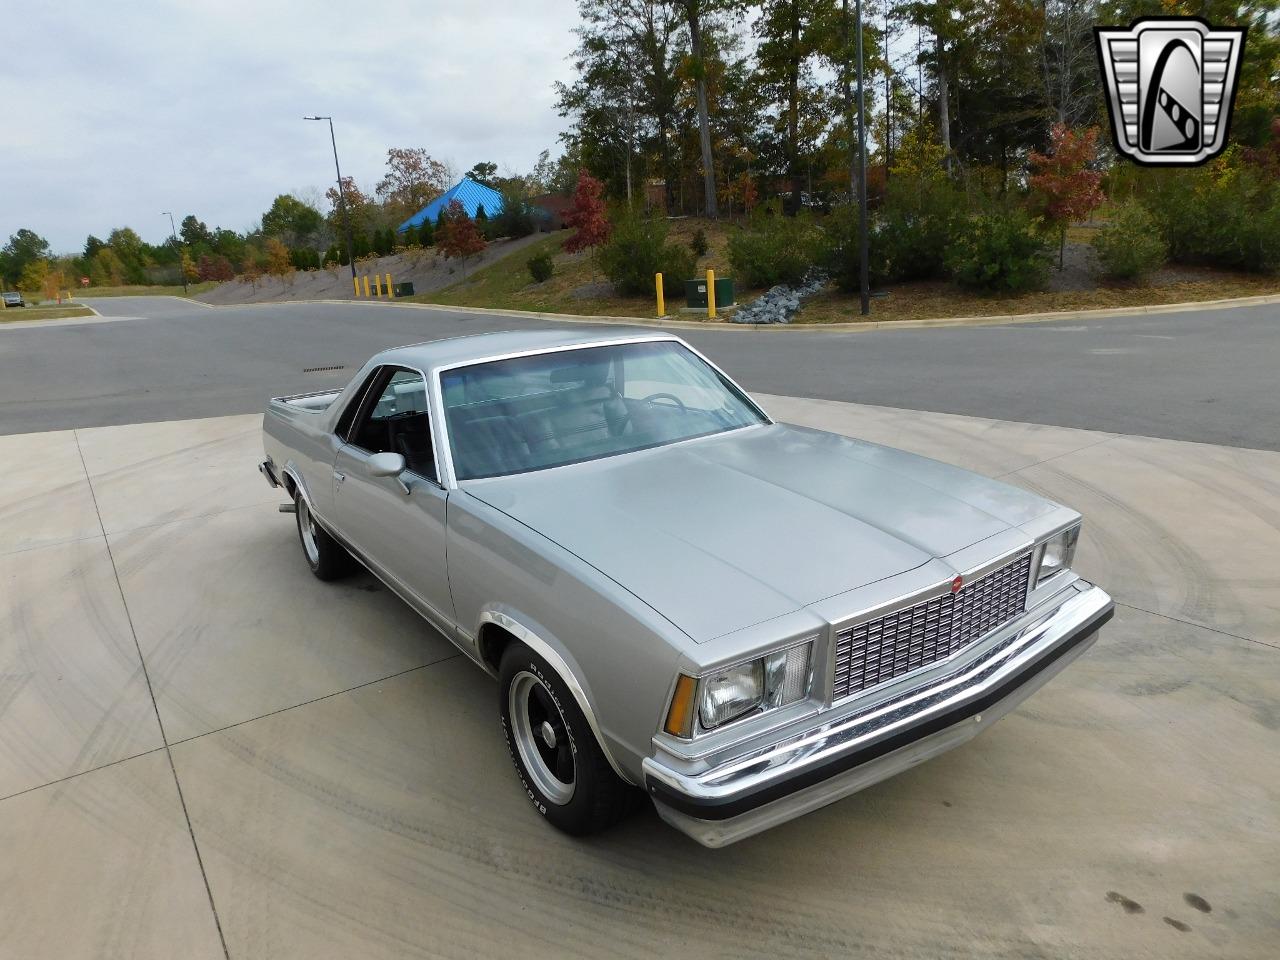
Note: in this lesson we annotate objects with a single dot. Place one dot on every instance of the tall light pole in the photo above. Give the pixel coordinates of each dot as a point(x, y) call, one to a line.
point(858, 158)
point(862, 173)
point(173, 232)
point(342, 195)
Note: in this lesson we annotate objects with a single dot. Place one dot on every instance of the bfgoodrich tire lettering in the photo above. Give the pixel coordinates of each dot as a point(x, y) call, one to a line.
point(561, 767)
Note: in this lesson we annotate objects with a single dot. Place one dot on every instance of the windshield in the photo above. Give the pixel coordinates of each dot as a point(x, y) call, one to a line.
point(549, 409)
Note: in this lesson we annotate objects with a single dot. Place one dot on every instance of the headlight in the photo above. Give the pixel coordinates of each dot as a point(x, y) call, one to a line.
point(1058, 553)
point(729, 693)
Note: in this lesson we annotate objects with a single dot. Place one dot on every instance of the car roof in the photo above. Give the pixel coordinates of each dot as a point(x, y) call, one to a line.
point(483, 346)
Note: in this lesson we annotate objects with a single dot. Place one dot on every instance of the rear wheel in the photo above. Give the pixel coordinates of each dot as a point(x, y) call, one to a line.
point(564, 772)
point(327, 558)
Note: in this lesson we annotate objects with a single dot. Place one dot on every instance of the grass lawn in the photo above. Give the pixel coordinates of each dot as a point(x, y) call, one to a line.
point(148, 291)
point(578, 287)
point(935, 300)
point(55, 312)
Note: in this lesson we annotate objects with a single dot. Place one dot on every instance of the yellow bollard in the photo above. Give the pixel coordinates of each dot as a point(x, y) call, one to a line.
point(711, 294)
point(388, 286)
point(355, 282)
point(662, 304)
point(377, 284)
point(366, 286)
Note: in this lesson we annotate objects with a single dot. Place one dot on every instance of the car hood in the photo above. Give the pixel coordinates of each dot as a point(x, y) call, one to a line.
point(720, 533)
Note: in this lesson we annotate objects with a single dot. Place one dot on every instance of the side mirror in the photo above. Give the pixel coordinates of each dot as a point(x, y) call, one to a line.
point(386, 465)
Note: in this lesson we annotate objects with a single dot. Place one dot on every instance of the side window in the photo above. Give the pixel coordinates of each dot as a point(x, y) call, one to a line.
point(394, 419)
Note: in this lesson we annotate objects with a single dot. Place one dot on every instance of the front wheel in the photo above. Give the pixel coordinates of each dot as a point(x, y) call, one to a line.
point(561, 766)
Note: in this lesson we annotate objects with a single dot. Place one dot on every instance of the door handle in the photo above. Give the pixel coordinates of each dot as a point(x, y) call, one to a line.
point(338, 477)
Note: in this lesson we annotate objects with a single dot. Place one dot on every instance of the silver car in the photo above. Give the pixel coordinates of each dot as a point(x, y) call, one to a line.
point(744, 619)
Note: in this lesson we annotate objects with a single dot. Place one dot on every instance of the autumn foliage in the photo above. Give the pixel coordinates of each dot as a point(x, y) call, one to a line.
point(459, 236)
point(587, 214)
point(1064, 189)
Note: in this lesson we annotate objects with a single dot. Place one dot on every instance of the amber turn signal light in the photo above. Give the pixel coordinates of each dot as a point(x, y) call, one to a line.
point(680, 715)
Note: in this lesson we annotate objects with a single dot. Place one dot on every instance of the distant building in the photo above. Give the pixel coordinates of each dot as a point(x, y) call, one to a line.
point(549, 210)
point(468, 192)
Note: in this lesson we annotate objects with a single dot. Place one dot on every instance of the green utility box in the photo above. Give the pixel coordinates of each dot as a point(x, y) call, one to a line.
point(695, 292)
point(402, 289)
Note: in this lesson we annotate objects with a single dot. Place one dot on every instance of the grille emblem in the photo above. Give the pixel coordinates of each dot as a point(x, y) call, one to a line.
point(957, 583)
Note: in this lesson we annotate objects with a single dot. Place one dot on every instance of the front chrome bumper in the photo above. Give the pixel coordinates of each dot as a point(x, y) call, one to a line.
point(774, 784)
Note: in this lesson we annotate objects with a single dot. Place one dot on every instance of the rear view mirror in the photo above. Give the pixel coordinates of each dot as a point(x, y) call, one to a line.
point(386, 465)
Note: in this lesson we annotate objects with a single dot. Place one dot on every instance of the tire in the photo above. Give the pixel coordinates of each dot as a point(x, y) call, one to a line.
point(531, 697)
point(327, 558)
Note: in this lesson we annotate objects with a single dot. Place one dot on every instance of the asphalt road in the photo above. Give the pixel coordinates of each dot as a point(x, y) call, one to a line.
point(1208, 376)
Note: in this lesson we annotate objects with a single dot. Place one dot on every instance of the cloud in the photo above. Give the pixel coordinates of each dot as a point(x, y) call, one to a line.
point(116, 112)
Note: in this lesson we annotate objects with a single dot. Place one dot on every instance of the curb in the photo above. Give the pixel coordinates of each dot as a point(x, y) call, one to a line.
point(852, 327)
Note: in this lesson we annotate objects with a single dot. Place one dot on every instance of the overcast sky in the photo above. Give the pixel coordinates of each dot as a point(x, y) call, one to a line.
point(114, 112)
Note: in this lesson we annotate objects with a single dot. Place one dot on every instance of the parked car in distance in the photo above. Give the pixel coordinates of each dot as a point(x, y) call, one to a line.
point(13, 298)
point(744, 619)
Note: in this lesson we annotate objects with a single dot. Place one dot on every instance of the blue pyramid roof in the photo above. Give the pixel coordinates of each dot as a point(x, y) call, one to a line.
point(467, 192)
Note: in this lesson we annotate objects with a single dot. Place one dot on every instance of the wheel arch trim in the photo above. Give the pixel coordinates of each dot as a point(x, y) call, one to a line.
point(558, 663)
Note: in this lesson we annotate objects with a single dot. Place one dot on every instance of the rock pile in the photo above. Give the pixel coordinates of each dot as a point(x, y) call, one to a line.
point(779, 304)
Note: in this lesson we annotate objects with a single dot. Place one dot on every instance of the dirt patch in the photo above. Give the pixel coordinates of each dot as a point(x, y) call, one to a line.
point(427, 270)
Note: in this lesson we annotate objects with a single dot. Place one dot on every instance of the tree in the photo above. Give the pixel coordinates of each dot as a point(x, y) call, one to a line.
point(1063, 187)
point(363, 212)
point(106, 269)
point(413, 180)
point(91, 246)
point(188, 267)
point(32, 278)
point(791, 33)
point(289, 220)
point(1069, 62)
point(23, 247)
point(194, 231)
point(483, 172)
point(459, 236)
point(279, 263)
point(131, 250)
point(624, 102)
point(695, 11)
point(587, 214)
point(214, 267)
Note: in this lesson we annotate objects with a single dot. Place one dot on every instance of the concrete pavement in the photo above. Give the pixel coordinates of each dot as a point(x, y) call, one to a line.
point(201, 744)
point(1206, 375)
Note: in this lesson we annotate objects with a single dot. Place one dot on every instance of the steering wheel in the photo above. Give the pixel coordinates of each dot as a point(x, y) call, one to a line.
point(666, 396)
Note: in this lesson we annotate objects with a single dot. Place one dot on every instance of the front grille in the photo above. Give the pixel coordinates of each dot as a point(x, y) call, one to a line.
point(878, 650)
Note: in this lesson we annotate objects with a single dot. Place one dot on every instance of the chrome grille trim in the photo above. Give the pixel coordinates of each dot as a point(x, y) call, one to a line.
point(884, 648)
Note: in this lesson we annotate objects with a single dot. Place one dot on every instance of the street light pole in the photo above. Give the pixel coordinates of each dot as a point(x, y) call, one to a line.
point(173, 232)
point(862, 175)
point(342, 195)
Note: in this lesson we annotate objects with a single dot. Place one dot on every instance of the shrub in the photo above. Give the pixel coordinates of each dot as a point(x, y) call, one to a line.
point(698, 244)
point(410, 236)
point(1131, 243)
point(774, 249)
point(587, 214)
point(214, 267)
point(516, 218)
point(426, 233)
point(636, 250)
point(1221, 215)
point(540, 267)
point(908, 240)
point(998, 253)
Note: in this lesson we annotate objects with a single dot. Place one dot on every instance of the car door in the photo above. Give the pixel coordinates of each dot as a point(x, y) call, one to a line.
point(396, 523)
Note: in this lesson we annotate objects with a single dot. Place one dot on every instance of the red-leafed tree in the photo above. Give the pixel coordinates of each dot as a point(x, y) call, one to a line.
point(586, 213)
point(215, 267)
point(1064, 189)
point(459, 237)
